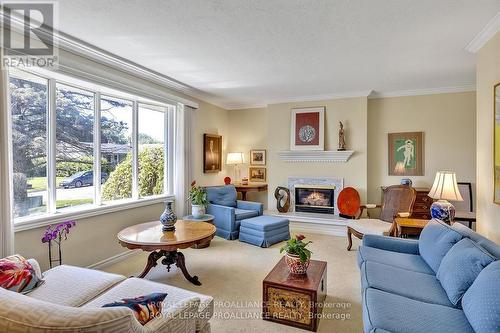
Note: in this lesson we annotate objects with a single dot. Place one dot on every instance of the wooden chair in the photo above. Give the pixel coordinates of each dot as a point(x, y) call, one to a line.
point(397, 200)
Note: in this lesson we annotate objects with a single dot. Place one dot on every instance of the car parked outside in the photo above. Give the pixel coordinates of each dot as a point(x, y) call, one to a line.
point(82, 178)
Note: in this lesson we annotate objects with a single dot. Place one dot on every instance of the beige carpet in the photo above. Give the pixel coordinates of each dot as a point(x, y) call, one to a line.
point(232, 272)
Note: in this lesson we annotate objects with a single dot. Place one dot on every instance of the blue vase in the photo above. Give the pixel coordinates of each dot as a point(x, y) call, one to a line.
point(168, 218)
point(443, 210)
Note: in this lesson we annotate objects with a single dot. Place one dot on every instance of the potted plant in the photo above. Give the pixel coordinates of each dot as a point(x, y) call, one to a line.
point(198, 198)
point(56, 234)
point(297, 257)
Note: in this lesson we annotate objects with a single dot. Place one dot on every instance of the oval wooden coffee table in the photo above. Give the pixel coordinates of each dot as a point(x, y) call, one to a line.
point(150, 237)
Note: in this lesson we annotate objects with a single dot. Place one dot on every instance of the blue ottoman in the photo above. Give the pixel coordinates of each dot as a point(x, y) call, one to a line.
point(264, 230)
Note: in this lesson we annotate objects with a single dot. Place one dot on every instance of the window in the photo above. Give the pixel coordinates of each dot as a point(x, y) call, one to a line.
point(28, 98)
point(78, 146)
point(74, 146)
point(116, 149)
point(151, 140)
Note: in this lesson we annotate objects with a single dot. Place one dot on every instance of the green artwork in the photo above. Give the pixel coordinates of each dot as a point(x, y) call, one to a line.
point(404, 153)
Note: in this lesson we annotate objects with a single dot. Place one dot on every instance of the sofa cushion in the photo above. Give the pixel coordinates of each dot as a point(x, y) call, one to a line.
point(22, 313)
point(73, 286)
point(414, 285)
point(242, 214)
point(435, 241)
point(133, 287)
point(396, 313)
point(481, 302)
point(460, 267)
point(222, 195)
point(490, 246)
point(412, 262)
point(370, 226)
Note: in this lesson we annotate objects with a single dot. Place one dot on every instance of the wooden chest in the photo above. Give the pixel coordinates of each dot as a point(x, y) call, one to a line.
point(422, 206)
point(295, 300)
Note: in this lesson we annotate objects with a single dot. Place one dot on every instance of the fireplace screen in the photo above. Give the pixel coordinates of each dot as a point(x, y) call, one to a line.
point(314, 199)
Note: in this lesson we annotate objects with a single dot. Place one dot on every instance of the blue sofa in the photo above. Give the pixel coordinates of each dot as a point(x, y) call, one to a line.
point(447, 281)
point(228, 211)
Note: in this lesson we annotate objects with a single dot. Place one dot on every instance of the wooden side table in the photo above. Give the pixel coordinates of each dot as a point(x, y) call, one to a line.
point(409, 226)
point(150, 237)
point(295, 300)
point(205, 218)
point(244, 189)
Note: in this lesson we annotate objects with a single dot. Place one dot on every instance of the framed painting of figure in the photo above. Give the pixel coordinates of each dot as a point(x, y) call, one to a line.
point(406, 154)
point(212, 153)
point(307, 129)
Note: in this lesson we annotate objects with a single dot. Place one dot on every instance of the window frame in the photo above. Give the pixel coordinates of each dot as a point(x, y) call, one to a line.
point(54, 215)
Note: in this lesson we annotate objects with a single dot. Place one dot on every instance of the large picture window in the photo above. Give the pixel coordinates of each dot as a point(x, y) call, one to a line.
point(76, 147)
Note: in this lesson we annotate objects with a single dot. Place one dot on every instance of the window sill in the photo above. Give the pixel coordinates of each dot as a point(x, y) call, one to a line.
point(46, 219)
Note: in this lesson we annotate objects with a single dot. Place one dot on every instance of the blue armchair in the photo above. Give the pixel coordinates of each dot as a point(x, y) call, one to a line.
point(228, 211)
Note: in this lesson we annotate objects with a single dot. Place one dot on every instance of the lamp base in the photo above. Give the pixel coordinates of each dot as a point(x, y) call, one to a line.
point(443, 210)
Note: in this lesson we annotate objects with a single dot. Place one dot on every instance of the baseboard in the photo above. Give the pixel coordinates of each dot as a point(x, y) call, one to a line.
point(112, 260)
point(322, 229)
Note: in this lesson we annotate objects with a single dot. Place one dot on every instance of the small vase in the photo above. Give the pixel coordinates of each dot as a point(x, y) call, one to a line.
point(198, 211)
point(168, 218)
point(295, 266)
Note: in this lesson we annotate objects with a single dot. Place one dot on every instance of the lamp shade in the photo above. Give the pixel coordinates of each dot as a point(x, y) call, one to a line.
point(234, 158)
point(445, 187)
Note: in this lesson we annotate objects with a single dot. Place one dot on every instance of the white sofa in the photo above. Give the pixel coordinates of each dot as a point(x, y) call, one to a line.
point(71, 300)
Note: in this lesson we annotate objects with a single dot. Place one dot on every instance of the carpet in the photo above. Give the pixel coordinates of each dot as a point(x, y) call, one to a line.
point(232, 272)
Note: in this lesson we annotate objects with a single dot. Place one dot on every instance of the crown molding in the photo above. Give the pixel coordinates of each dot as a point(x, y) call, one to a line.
point(489, 30)
point(298, 99)
point(418, 92)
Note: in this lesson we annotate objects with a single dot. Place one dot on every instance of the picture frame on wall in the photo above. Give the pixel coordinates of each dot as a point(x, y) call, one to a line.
point(212, 153)
point(406, 154)
point(258, 157)
point(307, 129)
point(257, 174)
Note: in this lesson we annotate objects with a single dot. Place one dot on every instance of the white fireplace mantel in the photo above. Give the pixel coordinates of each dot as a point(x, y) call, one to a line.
point(315, 155)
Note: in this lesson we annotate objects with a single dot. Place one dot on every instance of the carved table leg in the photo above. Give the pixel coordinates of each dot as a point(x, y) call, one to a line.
point(152, 262)
point(181, 263)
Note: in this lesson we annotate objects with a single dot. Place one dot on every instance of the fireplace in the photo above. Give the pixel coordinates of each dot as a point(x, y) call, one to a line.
point(315, 198)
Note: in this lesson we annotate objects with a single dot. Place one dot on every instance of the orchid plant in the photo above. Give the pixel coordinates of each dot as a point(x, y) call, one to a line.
point(57, 233)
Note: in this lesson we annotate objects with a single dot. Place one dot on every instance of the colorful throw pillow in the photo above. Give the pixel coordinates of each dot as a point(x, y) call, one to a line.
point(460, 267)
point(17, 274)
point(145, 307)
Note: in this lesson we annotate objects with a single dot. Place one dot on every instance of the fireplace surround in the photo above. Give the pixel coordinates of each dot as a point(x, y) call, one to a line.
point(315, 198)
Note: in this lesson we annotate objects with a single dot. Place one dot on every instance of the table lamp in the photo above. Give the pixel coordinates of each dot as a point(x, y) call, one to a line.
point(235, 159)
point(445, 188)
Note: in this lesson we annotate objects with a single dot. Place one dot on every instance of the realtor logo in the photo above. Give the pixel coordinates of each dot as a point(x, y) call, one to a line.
point(28, 34)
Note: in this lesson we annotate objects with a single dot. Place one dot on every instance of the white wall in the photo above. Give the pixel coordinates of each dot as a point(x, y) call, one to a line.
point(269, 128)
point(488, 75)
point(448, 122)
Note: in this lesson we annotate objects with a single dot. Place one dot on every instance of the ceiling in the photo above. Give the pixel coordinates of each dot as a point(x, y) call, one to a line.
point(248, 53)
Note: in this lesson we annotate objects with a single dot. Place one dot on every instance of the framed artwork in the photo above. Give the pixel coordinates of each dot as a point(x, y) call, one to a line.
point(212, 153)
point(406, 154)
point(307, 130)
point(257, 174)
point(496, 143)
point(258, 157)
